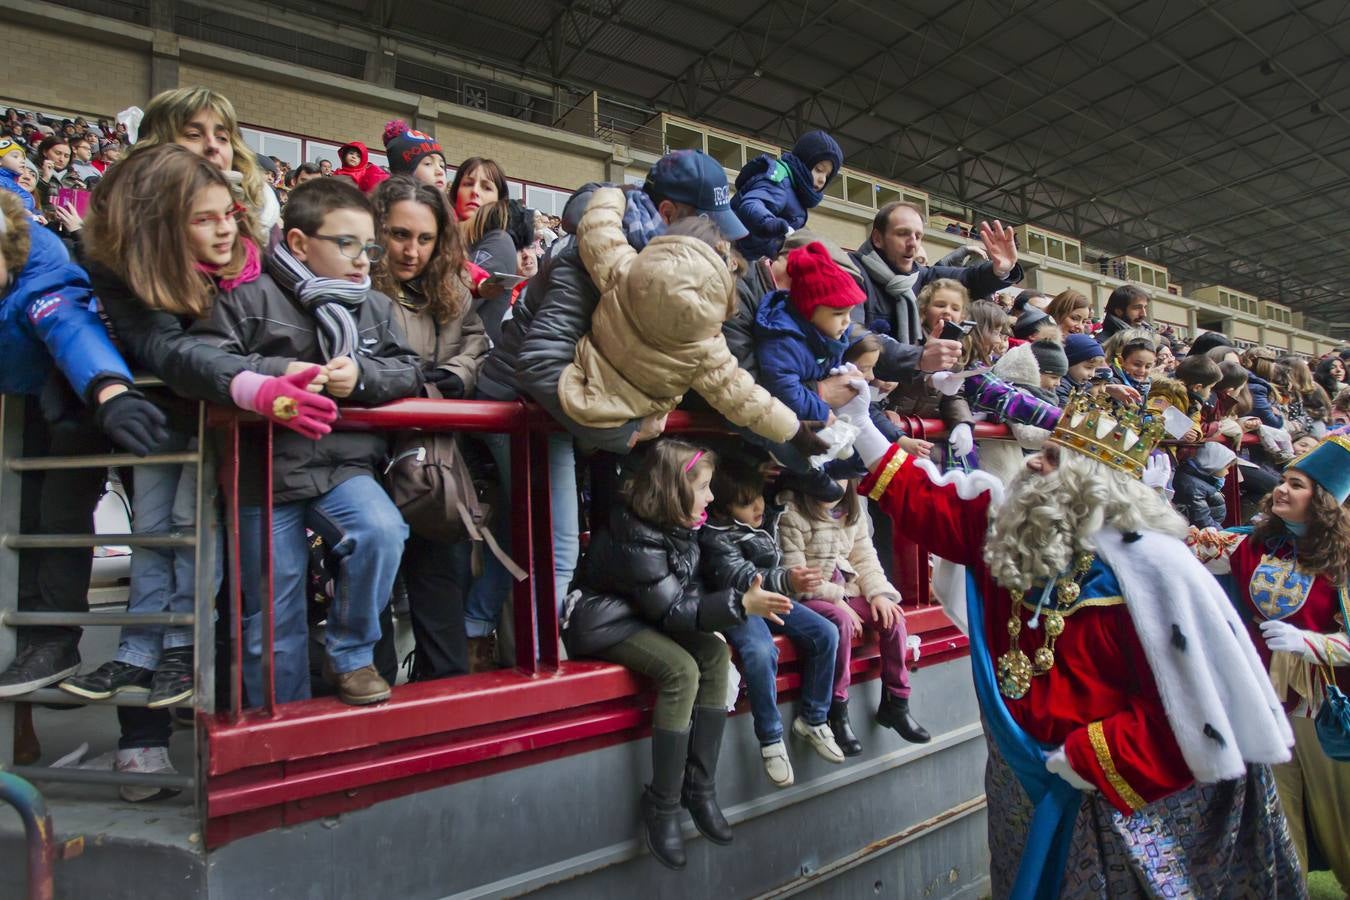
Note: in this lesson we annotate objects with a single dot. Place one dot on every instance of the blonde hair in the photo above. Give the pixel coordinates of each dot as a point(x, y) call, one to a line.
point(167, 114)
point(137, 227)
point(925, 297)
point(1049, 518)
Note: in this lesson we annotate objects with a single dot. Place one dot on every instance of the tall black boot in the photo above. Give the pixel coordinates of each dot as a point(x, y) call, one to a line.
point(843, 731)
point(700, 774)
point(661, 799)
point(894, 713)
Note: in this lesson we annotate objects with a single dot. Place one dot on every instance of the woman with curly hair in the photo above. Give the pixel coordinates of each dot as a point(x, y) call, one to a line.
point(423, 271)
point(1290, 577)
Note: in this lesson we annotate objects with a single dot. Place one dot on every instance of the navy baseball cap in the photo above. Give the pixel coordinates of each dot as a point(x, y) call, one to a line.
point(695, 179)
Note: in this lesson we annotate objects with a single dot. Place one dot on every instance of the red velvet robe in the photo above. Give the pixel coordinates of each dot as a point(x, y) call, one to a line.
point(1100, 700)
point(1320, 612)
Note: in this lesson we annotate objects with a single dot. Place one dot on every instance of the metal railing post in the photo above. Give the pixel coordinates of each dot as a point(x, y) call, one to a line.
point(37, 826)
point(522, 543)
point(11, 487)
point(541, 560)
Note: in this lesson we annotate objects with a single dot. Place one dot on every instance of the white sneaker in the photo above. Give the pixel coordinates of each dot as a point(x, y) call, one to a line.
point(820, 738)
point(776, 764)
point(145, 761)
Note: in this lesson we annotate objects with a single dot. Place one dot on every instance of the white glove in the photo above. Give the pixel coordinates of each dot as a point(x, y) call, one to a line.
point(961, 440)
point(1323, 649)
point(948, 383)
point(855, 410)
point(845, 369)
point(1158, 471)
point(1057, 763)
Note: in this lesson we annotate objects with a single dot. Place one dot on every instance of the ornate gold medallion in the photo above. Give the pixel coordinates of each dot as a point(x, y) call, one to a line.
point(1014, 674)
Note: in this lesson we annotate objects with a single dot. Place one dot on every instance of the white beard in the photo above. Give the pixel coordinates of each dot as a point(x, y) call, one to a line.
point(1048, 519)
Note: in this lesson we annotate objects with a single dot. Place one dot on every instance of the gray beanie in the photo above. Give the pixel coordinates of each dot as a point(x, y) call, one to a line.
point(1050, 357)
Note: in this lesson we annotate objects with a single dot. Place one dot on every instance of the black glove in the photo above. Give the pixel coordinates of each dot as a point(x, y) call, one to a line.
point(450, 385)
point(807, 442)
point(133, 422)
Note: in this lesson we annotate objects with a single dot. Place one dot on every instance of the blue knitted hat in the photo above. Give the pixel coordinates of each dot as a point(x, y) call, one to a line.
point(1081, 347)
point(814, 146)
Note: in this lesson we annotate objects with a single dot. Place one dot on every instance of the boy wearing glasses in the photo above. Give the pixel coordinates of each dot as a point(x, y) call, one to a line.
point(314, 304)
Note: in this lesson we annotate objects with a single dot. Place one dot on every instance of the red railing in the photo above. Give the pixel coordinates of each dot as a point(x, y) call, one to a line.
point(279, 764)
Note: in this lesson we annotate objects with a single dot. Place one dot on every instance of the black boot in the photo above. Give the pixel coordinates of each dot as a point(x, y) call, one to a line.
point(843, 732)
point(661, 799)
point(700, 774)
point(813, 483)
point(894, 713)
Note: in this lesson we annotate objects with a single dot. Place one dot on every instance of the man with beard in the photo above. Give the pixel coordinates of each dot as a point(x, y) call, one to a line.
point(1130, 724)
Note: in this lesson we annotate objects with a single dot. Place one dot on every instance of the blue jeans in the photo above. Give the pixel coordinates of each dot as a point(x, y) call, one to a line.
point(483, 606)
point(365, 533)
point(817, 640)
point(163, 579)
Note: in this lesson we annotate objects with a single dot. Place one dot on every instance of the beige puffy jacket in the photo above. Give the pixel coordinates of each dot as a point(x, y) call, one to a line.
point(832, 545)
point(657, 332)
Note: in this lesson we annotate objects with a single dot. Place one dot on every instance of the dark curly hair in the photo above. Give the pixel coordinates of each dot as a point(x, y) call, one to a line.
point(1325, 549)
point(443, 281)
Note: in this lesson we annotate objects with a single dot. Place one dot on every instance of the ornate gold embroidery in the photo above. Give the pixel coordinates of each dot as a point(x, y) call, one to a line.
point(1122, 787)
point(884, 479)
point(1116, 600)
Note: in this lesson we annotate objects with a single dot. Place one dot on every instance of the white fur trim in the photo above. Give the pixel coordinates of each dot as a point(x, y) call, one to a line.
point(1207, 671)
point(1018, 365)
point(969, 485)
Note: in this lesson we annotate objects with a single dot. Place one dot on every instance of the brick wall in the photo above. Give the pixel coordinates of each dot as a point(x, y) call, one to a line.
point(61, 73)
point(278, 106)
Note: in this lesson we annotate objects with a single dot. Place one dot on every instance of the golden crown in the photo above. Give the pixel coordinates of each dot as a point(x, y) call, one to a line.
point(1119, 435)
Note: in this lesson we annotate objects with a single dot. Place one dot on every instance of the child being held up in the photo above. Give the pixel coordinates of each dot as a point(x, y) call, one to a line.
point(739, 550)
point(314, 304)
point(863, 353)
point(657, 331)
point(799, 339)
point(1198, 485)
point(773, 195)
point(853, 594)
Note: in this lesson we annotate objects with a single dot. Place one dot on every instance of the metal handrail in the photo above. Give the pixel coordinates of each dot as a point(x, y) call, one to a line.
point(28, 802)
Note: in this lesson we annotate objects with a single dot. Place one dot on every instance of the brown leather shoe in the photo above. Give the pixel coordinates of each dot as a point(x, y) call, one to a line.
point(27, 750)
point(359, 687)
point(483, 653)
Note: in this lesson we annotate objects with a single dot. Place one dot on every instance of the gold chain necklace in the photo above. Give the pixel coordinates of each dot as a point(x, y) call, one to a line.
point(1015, 668)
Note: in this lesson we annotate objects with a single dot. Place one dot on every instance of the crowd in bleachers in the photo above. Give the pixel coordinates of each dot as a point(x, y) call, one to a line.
point(287, 289)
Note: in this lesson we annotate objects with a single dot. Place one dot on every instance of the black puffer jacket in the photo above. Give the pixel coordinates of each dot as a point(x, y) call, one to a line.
point(262, 319)
point(635, 576)
point(158, 342)
point(733, 553)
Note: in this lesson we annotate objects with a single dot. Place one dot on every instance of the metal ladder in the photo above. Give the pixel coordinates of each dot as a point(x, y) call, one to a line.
point(13, 465)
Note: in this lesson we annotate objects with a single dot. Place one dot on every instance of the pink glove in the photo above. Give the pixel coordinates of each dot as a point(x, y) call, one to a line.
point(284, 400)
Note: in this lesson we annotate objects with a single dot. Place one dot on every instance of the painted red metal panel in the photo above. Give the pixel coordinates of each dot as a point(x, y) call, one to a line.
point(315, 728)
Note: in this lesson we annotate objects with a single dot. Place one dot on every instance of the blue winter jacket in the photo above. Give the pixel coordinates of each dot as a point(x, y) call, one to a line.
point(1261, 405)
point(46, 318)
point(767, 203)
point(791, 352)
point(10, 182)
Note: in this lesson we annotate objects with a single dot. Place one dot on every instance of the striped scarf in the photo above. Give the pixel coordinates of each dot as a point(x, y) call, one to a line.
point(332, 301)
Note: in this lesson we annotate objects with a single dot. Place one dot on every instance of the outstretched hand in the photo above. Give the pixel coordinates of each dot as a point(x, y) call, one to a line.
point(1001, 246)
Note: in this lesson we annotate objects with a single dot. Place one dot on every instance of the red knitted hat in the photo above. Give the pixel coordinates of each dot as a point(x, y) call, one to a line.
point(818, 281)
